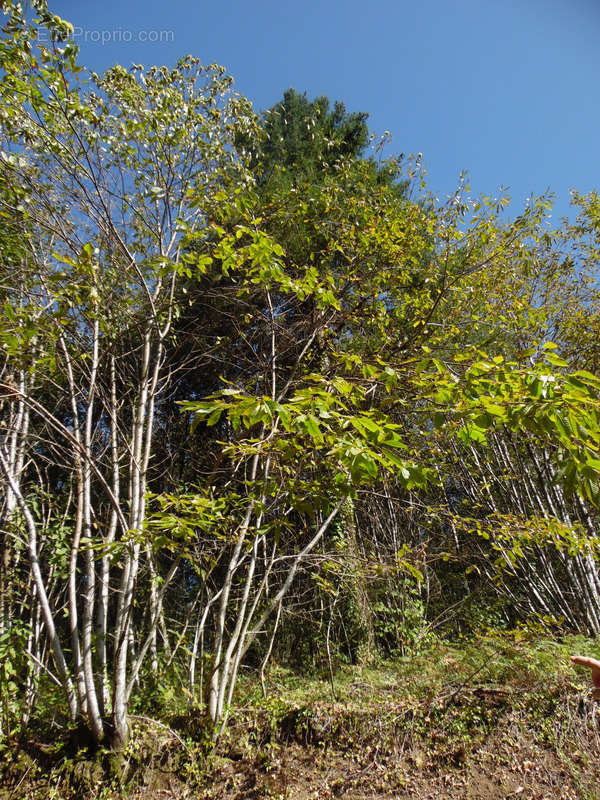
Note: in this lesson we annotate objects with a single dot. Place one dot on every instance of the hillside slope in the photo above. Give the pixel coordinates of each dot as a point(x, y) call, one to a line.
point(497, 718)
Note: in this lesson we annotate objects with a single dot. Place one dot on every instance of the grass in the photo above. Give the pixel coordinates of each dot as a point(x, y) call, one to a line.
point(519, 660)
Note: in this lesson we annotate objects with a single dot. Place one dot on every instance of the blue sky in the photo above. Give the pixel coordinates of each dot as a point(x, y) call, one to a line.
point(506, 89)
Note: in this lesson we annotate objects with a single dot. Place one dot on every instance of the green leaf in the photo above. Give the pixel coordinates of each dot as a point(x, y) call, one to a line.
point(555, 360)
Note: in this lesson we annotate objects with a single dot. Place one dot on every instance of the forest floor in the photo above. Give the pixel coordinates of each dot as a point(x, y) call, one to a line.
point(503, 717)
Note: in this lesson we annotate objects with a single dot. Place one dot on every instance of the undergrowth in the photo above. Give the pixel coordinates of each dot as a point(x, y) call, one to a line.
point(437, 710)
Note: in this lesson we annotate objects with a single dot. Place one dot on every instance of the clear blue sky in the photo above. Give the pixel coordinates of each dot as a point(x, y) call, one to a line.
point(506, 89)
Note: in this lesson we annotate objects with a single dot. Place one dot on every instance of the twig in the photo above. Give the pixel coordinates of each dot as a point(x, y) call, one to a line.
point(25, 774)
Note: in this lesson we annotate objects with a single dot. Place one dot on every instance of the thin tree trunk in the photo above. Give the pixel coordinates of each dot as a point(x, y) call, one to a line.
point(59, 658)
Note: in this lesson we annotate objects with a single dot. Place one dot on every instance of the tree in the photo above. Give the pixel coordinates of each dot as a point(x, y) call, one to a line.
point(342, 386)
point(328, 338)
point(109, 173)
point(300, 140)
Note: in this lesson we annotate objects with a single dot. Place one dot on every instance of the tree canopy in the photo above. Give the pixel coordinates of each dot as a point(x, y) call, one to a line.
point(301, 140)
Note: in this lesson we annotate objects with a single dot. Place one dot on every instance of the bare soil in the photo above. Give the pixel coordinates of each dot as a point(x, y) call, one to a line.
point(487, 743)
point(512, 760)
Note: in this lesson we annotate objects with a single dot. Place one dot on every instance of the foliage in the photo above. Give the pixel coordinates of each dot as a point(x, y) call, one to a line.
point(13, 664)
point(300, 138)
point(250, 376)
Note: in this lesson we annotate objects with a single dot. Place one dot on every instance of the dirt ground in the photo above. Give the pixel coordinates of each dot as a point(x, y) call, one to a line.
point(484, 745)
point(484, 748)
point(501, 769)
